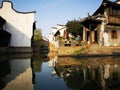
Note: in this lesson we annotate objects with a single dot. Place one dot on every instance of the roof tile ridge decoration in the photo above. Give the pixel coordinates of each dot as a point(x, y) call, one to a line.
point(54, 27)
point(60, 25)
point(104, 4)
point(62, 28)
point(15, 9)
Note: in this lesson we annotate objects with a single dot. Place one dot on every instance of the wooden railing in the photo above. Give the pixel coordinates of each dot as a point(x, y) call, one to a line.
point(114, 20)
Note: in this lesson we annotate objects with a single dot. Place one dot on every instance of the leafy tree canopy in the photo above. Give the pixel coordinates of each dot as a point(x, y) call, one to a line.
point(74, 27)
point(37, 34)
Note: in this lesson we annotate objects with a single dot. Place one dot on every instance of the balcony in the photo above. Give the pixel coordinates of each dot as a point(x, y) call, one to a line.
point(114, 20)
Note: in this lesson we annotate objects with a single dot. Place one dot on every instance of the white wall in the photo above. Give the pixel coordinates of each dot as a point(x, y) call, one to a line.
point(19, 24)
point(51, 38)
point(114, 42)
point(61, 29)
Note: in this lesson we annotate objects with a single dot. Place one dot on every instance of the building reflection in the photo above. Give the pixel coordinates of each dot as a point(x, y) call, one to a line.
point(88, 73)
point(16, 73)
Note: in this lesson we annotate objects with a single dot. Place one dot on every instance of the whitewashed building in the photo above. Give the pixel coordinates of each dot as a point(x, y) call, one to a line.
point(18, 24)
point(57, 32)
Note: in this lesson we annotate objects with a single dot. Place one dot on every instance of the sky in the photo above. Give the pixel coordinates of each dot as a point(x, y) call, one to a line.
point(49, 13)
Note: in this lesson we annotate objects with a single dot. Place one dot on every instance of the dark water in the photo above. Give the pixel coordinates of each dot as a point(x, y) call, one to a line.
point(40, 72)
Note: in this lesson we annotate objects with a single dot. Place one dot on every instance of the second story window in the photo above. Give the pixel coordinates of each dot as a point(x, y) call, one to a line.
point(114, 12)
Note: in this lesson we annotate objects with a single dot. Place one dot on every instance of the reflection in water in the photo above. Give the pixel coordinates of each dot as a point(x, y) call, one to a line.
point(4, 70)
point(36, 63)
point(16, 73)
point(41, 72)
point(89, 73)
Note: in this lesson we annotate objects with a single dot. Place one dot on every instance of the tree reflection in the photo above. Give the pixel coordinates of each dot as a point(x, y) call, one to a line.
point(37, 60)
point(75, 79)
point(36, 63)
point(89, 76)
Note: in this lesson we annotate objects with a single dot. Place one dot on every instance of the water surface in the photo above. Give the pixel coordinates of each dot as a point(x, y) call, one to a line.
point(40, 72)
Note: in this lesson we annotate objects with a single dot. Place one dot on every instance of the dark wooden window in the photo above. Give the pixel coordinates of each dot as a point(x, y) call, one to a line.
point(113, 34)
point(114, 12)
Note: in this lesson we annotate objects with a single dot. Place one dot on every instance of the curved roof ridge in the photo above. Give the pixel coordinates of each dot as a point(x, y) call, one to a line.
point(15, 9)
point(104, 4)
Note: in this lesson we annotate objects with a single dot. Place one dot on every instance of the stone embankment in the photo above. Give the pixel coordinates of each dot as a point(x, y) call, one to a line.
point(63, 50)
point(13, 50)
point(96, 50)
point(93, 50)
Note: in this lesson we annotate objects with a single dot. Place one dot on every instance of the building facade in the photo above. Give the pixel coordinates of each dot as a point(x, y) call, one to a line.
point(18, 24)
point(105, 19)
point(58, 34)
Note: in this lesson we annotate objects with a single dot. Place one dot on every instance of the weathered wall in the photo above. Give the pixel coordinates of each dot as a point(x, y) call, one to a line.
point(116, 41)
point(19, 24)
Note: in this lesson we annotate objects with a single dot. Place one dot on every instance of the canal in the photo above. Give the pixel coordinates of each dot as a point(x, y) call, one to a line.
point(43, 72)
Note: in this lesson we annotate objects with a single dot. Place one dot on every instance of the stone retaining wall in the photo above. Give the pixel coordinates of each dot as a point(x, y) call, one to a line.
point(93, 50)
point(62, 51)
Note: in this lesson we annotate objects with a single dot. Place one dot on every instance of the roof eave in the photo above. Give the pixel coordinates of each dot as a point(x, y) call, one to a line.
point(104, 4)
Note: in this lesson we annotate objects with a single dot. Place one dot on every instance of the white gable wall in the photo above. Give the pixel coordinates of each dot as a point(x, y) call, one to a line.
point(54, 30)
point(20, 25)
point(61, 30)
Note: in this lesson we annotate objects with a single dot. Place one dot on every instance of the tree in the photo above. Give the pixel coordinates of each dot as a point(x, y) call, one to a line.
point(37, 35)
point(74, 27)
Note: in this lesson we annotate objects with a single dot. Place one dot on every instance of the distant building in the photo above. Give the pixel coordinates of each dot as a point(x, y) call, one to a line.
point(105, 19)
point(18, 25)
point(58, 32)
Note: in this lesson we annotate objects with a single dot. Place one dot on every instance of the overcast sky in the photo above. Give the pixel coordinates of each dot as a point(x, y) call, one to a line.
point(49, 13)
